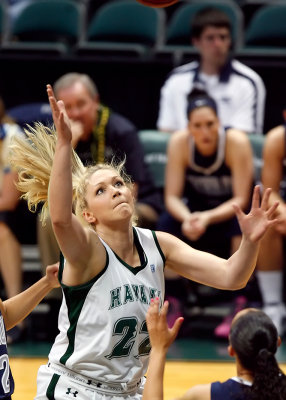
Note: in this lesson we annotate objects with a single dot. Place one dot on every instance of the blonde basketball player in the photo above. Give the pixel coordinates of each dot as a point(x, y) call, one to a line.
point(111, 269)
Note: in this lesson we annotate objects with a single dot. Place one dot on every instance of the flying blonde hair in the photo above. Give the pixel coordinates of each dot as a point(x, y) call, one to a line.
point(32, 156)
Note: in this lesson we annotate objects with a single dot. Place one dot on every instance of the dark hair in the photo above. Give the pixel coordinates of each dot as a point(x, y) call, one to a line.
point(254, 339)
point(199, 98)
point(209, 16)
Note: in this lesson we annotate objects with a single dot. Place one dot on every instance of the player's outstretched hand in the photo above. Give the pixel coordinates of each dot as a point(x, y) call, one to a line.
point(60, 117)
point(161, 336)
point(260, 217)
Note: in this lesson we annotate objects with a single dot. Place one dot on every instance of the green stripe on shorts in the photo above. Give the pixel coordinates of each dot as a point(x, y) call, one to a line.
point(51, 388)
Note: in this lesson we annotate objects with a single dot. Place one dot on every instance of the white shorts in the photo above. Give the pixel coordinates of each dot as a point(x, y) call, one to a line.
point(58, 383)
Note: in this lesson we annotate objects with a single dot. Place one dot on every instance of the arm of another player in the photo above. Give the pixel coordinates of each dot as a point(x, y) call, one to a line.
point(15, 309)
point(161, 337)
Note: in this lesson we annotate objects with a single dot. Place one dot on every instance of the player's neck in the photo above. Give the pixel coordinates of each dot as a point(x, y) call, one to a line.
point(209, 68)
point(243, 373)
point(119, 238)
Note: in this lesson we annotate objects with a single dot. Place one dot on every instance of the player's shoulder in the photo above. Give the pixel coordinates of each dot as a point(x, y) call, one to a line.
point(179, 137)
point(184, 70)
point(245, 71)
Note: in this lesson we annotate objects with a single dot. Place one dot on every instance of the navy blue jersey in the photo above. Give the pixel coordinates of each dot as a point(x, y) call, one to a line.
point(6, 378)
point(208, 179)
point(232, 389)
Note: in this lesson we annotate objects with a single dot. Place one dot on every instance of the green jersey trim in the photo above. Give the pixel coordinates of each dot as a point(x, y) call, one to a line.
point(141, 253)
point(159, 247)
point(83, 285)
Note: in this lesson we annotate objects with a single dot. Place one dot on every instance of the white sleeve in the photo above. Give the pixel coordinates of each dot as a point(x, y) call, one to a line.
point(249, 109)
point(167, 115)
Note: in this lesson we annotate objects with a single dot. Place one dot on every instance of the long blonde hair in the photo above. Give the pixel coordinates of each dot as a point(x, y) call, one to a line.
point(32, 156)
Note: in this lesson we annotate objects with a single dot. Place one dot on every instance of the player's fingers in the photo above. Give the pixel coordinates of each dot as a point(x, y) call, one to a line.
point(152, 315)
point(265, 199)
point(164, 309)
point(152, 310)
point(272, 209)
point(53, 105)
point(176, 327)
point(255, 197)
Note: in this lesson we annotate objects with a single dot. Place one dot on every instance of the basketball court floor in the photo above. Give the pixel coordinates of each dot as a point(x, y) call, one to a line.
point(190, 361)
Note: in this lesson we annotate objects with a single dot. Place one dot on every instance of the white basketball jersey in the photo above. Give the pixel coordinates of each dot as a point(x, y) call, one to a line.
point(103, 333)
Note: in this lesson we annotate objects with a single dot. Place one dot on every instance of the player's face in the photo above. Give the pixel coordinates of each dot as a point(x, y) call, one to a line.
point(204, 127)
point(213, 45)
point(80, 106)
point(109, 199)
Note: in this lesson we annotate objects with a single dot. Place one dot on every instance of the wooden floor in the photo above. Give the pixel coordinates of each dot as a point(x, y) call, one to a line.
point(179, 376)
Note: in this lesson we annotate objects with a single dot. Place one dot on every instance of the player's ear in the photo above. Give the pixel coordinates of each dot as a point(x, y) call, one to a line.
point(89, 217)
point(230, 350)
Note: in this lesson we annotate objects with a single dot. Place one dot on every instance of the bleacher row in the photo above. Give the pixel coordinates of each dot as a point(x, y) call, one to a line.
point(127, 28)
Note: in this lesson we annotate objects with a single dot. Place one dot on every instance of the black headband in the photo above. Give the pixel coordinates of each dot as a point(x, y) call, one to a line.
point(201, 102)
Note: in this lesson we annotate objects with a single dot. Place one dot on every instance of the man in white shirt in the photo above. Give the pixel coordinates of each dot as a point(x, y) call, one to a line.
point(238, 90)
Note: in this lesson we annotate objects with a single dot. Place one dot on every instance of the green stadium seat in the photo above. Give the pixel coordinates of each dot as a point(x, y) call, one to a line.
point(155, 153)
point(46, 27)
point(4, 20)
point(266, 32)
point(123, 27)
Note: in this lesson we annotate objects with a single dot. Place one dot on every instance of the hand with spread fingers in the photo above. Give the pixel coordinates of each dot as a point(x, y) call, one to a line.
point(60, 117)
point(161, 337)
point(254, 224)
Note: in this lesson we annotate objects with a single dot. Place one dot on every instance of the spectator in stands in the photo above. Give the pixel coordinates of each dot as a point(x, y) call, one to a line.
point(271, 258)
point(11, 211)
point(253, 342)
point(238, 91)
point(208, 169)
point(100, 134)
